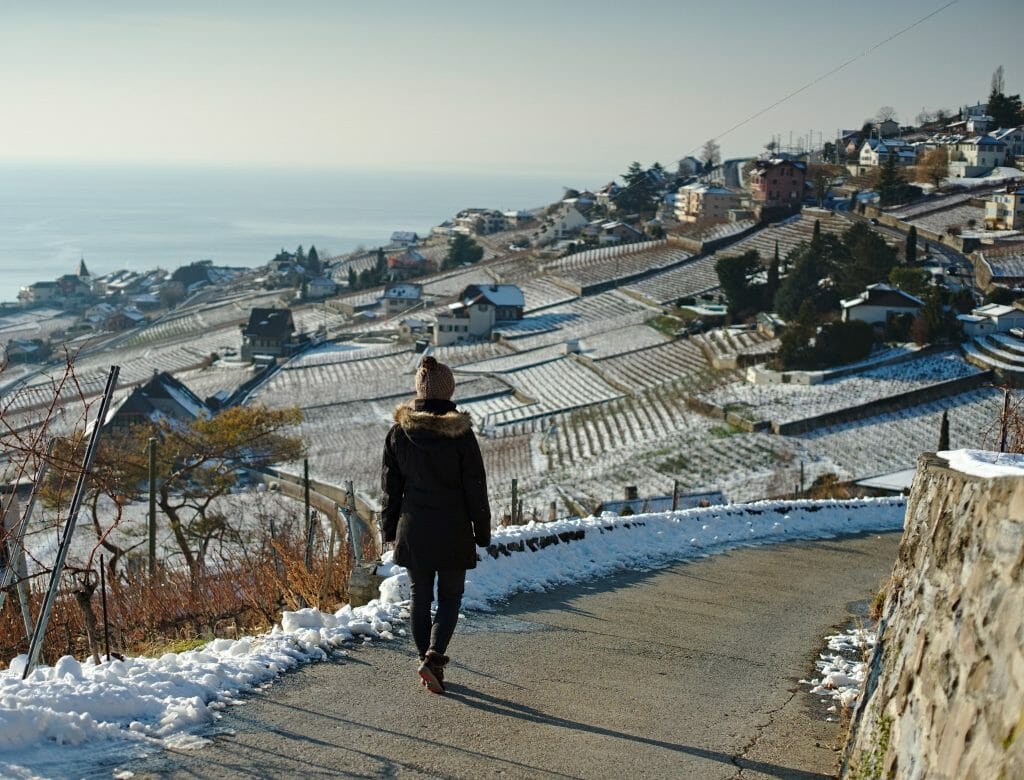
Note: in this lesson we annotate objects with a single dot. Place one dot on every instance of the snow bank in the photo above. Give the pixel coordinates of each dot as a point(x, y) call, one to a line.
point(538, 556)
point(139, 702)
point(982, 463)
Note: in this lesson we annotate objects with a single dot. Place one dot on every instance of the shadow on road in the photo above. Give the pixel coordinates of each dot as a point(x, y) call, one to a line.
point(508, 709)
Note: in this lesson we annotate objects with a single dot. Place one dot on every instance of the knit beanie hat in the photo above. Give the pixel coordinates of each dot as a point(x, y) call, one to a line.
point(434, 380)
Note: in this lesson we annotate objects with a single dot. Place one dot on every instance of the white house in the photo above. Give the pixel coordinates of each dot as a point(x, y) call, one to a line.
point(567, 221)
point(976, 156)
point(321, 287)
point(476, 311)
point(399, 296)
point(1013, 137)
point(875, 153)
point(878, 303)
point(992, 318)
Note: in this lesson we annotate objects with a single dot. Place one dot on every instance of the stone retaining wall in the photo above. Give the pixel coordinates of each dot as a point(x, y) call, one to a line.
point(945, 691)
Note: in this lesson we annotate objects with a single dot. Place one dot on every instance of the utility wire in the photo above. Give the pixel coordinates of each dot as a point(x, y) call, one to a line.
point(824, 76)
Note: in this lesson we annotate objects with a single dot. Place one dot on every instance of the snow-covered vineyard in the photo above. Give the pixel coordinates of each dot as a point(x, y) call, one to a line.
point(581, 397)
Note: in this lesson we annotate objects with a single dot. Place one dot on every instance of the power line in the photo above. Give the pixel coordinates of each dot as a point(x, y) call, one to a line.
point(824, 76)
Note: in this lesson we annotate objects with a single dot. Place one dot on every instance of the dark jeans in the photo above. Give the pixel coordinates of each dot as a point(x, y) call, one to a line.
point(435, 635)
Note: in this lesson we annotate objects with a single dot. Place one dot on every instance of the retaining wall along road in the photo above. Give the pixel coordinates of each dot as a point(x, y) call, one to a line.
point(945, 691)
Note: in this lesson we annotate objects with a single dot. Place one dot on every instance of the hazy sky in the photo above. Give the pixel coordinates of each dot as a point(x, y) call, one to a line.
point(527, 85)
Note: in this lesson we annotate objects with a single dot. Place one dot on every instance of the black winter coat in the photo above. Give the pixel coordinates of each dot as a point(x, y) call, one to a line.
point(435, 491)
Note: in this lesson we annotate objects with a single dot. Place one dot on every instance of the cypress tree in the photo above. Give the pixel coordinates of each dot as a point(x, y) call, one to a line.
point(944, 433)
point(772, 283)
point(912, 245)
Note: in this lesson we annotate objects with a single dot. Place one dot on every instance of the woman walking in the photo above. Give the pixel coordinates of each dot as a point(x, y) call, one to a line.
point(434, 508)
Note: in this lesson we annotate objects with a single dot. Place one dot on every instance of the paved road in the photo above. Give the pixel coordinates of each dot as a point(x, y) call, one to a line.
point(686, 672)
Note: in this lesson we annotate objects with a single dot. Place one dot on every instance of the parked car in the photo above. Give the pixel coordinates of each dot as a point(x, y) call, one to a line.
point(1017, 333)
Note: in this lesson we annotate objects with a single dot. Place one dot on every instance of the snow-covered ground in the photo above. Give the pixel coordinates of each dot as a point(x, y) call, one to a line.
point(784, 403)
point(76, 718)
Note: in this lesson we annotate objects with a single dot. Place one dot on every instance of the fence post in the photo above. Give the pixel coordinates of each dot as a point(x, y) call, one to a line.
point(675, 494)
point(515, 500)
point(16, 546)
point(36, 643)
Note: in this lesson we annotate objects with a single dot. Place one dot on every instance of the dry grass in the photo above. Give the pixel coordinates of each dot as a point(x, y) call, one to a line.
point(171, 610)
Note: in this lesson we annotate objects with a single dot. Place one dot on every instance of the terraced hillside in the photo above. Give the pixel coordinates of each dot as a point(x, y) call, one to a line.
point(599, 268)
point(789, 234)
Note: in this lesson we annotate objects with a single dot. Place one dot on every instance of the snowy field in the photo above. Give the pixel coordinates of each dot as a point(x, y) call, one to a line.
point(78, 718)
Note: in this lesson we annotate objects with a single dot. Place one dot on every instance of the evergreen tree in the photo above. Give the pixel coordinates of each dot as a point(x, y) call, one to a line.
point(735, 275)
point(313, 265)
point(1005, 110)
point(353, 282)
point(911, 253)
point(794, 347)
point(889, 181)
point(866, 259)
point(462, 249)
point(944, 433)
point(382, 262)
point(637, 196)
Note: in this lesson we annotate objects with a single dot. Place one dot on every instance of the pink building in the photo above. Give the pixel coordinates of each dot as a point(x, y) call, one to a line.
point(778, 183)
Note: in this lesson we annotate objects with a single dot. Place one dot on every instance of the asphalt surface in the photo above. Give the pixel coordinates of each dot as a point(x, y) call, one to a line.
point(685, 672)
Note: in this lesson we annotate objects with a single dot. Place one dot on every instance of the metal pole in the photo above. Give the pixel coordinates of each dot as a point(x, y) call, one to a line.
point(152, 506)
point(515, 500)
point(675, 494)
point(36, 643)
point(309, 519)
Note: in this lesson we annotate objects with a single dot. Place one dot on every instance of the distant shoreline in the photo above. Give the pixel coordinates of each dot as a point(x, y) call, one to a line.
point(142, 218)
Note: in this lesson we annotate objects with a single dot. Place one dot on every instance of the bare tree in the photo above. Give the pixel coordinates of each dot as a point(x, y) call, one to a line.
point(885, 113)
point(710, 154)
point(934, 166)
point(998, 81)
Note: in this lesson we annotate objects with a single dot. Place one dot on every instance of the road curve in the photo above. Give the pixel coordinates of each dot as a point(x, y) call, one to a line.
point(685, 672)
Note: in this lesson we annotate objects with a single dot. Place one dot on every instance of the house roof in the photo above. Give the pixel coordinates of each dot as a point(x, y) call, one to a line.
point(404, 291)
point(995, 310)
point(270, 323)
point(883, 295)
point(982, 140)
point(162, 387)
point(496, 294)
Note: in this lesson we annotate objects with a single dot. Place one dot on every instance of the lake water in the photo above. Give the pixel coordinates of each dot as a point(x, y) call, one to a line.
point(143, 218)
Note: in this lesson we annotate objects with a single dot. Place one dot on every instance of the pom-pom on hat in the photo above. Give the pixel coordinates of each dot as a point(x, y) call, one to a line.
point(434, 380)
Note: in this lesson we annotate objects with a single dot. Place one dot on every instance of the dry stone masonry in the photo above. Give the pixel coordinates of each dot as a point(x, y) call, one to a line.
point(945, 691)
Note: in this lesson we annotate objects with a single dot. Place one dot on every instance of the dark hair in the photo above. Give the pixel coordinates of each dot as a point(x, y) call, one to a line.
point(429, 362)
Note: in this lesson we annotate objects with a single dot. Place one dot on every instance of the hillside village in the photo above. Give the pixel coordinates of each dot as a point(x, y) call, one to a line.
point(642, 345)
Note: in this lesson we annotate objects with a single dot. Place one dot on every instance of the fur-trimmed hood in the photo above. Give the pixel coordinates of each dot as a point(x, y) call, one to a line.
point(451, 425)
